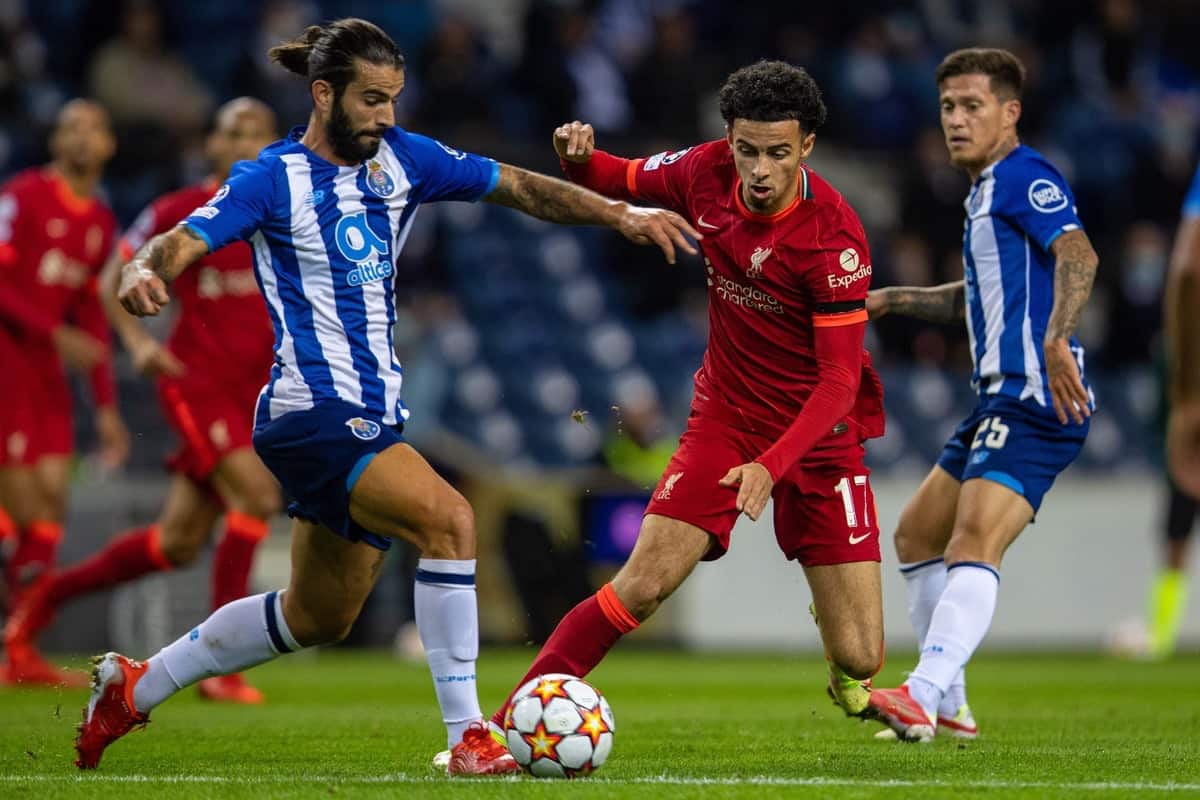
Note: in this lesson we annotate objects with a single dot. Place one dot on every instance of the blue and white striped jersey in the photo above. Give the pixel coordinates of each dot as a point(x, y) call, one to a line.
point(325, 240)
point(1191, 203)
point(1015, 210)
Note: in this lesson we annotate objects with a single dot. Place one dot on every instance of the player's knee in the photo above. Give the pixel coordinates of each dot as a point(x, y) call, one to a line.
point(641, 594)
point(859, 657)
point(181, 542)
point(910, 540)
point(326, 626)
point(262, 501)
point(452, 535)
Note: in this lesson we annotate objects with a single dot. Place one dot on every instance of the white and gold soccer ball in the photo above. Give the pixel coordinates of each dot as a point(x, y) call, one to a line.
point(559, 726)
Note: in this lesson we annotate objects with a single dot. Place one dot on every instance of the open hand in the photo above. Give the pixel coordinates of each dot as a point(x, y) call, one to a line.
point(658, 226)
point(78, 348)
point(1067, 391)
point(150, 358)
point(754, 484)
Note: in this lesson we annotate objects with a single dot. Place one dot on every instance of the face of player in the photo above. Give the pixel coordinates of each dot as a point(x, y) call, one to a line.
point(82, 141)
point(978, 124)
point(364, 111)
point(240, 134)
point(767, 156)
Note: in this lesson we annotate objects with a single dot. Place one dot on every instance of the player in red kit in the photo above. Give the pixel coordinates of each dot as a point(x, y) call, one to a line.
point(55, 234)
point(209, 374)
point(785, 395)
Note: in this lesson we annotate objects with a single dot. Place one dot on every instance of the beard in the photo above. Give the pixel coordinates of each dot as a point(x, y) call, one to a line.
point(348, 143)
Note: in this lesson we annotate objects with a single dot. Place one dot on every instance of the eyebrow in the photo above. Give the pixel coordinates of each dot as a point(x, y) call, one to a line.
point(776, 146)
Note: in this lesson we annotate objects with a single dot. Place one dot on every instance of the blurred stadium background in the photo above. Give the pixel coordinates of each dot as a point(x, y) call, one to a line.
point(535, 354)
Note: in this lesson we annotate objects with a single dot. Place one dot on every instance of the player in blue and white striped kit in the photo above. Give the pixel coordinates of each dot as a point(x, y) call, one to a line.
point(1028, 269)
point(326, 210)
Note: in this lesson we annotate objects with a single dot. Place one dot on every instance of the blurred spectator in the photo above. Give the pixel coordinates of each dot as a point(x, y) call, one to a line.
point(1134, 311)
point(671, 83)
point(139, 81)
point(458, 82)
point(258, 77)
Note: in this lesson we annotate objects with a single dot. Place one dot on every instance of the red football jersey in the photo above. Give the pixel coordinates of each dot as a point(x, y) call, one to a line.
point(53, 245)
point(771, 279)
point(221, 330)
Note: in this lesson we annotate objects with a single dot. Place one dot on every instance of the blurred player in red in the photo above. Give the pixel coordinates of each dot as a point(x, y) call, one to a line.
point(55, 234)
point(209, 374)
point(785, 396)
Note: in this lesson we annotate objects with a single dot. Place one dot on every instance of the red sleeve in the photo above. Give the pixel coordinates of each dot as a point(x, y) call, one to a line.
point(838, 349)
point(661, 179)
point(89, 316)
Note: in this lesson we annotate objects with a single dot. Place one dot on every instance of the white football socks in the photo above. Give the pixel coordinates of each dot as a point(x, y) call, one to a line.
point(925, 581)
point(958, 625)
point(448, 622)
point(237, 636)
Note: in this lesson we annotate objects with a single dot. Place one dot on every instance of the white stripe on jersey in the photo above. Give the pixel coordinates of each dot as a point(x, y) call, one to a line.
point(290, 392)
point(985, 252)
point(1034, 387)
point(375, 294)
point(317, 279)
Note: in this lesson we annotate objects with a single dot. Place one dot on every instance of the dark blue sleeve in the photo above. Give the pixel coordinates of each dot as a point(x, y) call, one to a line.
point(1191, 203)
point(1037, 199)
point(240, 207)
point(447, 174)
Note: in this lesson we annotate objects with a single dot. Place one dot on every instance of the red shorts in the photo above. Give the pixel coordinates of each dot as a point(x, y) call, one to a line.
point(211, 419)
point(824, 506)
point(36, 412)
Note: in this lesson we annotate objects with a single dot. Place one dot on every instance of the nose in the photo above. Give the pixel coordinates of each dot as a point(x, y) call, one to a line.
point(386, 117)
point(762, 167)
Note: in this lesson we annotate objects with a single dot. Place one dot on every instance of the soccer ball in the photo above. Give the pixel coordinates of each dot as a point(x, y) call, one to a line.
point(559, 726)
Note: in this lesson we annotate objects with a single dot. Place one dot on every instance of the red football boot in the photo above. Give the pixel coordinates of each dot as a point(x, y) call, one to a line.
point(229, 689)
point(110, 713)
point(480, 754)
point(897, 709)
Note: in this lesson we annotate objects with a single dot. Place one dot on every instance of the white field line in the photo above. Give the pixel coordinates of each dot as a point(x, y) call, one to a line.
point(661, 780)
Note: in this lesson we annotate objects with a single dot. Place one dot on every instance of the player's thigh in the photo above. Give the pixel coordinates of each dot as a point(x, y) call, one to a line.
point(989, 518)
point(849, 603)
point(399, 495)
point(186, 521)
point(245, 484)
point(666, 552)
point(928, 519)
point(331, 578)
point(53, 473)
point(20, 495)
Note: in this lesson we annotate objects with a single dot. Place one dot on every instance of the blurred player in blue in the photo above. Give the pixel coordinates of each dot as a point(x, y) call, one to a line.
point(326, 210)
point(1028, 269)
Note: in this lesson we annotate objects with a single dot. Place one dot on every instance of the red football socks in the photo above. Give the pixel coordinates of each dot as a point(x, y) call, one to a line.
point(36, 550)
point(125, 557)
point(234, 557)
point(581, 640)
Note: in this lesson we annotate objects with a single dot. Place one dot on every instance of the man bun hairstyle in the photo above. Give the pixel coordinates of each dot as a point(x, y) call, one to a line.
point(771, 91)
point(328, 52)
point(1006, 73)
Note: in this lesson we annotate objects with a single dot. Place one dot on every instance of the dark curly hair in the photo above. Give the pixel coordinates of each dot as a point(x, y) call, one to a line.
point(328, 52)
point(770, 91)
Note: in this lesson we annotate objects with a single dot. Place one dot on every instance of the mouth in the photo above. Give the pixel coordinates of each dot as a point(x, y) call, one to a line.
point(957, 141)
point(759, 192)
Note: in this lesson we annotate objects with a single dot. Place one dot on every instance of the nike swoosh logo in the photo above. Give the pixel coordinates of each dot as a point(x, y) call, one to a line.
point(700, 221)
point(856, 539)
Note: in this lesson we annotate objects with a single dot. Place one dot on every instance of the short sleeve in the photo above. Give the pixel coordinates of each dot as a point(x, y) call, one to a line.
point(448, 174)
point(241, 206)
point(1036, 198)
point(664, 179)
point(838, 280)
point(1191, 203)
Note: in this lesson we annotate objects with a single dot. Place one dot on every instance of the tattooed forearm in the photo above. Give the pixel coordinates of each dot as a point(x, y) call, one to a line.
point(1074, 270)
point(945, 303)
point(170, 253)
point(552, 199)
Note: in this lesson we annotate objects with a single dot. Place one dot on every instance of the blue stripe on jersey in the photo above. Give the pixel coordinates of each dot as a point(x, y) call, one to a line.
point(347, 300)
point(311, 363)
point(374, 390)
point(1014, 264)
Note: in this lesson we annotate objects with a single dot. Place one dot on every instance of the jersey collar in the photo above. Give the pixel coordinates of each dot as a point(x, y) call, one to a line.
point(803, 192)
point(62, 191)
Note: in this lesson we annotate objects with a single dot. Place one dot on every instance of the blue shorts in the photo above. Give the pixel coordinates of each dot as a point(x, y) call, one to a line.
point(1017, 444)
point(318, 455)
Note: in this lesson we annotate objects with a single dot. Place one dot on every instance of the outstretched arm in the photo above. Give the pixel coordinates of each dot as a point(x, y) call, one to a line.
point(143, 286)
point(148, 355)
point(1074, 270)
point(944, 303)
point(556, 200)
point(1181, 312)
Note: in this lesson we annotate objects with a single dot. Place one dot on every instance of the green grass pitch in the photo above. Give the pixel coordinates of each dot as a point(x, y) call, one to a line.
point(349, 724)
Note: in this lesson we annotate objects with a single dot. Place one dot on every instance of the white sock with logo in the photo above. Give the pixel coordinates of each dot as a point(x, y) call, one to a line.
point(237, 636)
point(925, 582)
point(448, 622)
point(959, 623)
